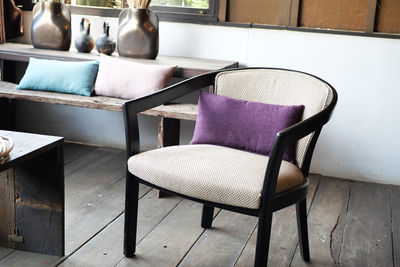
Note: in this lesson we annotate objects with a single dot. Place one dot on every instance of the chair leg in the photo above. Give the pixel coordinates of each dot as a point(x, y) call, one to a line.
point(207, 216)
point(301, 212)
point(131, 208)
point(263, 237)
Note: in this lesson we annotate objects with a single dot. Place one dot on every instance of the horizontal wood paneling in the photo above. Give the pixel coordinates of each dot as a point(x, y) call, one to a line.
point(334, 14)
point(255, 11)
point(387, 16)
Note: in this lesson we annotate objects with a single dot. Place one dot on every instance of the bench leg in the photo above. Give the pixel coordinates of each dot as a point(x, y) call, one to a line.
point(8, 71)
point(7, 114)
point(168, 135)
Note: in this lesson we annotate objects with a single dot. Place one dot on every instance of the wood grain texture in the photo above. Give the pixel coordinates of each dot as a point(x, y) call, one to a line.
point(105, 249)
point(367, 239)
point(27, 146)
point(324, 214)
point(7, 207)
point(74, 151)
point(168, 243)
point(187, 67)
point(94, 194)
point(23, 258)
point(177, 111)
point(371, 16)
point(284, 12)
point(4, 252)
point(173, 223)
point(387, 16)
point(334, 14)
point(222, 244)
point(283, 234)
point(222, 11)
point(7, 90)
point(39, 198)
point(395, 207)
point(42, 230)
point(254, 11)
point(294, 13)
point(38, 192)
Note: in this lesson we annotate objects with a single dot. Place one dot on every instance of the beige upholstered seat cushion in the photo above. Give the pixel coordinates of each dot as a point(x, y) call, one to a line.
point(212, 173)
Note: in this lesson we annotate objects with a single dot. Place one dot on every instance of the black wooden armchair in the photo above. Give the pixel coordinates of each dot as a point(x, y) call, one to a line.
point(278, 183)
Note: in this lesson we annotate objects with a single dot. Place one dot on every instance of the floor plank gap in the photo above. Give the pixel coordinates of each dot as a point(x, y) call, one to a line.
point(245, 244)
point(217, 211)
point(350, 224)
point(87, 241)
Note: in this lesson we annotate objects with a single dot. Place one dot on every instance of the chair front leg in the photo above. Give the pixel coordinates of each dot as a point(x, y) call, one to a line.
point(207, 216)
point(131, 209)
point(301, 212)
point(263, 237)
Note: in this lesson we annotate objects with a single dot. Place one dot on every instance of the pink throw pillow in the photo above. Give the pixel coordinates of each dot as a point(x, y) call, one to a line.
point(127, 79)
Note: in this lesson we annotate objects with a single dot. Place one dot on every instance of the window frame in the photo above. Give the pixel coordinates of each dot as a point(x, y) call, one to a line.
point(165, 13)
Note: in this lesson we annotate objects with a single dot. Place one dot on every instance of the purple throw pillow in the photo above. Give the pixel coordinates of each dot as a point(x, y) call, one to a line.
point(244, 125)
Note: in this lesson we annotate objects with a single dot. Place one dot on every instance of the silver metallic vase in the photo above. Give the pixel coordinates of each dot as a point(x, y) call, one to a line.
point(51, 26)
point(138, 33)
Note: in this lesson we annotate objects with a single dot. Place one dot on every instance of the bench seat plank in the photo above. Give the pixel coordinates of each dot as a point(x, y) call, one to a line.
point(187, 67)
point(176, 111)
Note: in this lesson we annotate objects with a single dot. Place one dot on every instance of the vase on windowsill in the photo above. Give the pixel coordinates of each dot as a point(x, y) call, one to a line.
point(138, 32)
point(51, 25)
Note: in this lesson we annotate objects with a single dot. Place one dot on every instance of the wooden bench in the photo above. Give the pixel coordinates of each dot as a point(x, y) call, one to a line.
point(169, 127)
point(170, 114)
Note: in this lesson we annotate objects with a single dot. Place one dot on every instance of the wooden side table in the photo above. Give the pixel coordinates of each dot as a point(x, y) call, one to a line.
point(32, 194)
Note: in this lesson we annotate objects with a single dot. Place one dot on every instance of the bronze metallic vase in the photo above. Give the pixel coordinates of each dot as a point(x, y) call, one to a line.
point(51, 26)
point(138, 33)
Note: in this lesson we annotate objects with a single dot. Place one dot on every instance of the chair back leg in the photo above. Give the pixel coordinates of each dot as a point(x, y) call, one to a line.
point(263, 237)
point(301, 212)
point(131, 208)
point(207, 216)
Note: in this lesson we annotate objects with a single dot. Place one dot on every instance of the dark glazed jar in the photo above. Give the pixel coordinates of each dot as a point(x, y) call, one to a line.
point(105, 44)
point(84, 43)
point(138, 33)
point(51, 26)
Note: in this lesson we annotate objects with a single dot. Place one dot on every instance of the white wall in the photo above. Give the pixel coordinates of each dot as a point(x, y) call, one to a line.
point(361, 142)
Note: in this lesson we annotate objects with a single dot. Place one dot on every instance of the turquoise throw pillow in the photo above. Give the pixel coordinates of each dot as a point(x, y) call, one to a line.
point(60, 76)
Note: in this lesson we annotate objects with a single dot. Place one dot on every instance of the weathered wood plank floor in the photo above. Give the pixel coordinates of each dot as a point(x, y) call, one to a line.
point(350, 224)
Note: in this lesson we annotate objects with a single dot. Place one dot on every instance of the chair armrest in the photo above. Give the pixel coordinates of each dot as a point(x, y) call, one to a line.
point(132, 107)
point(290, 136)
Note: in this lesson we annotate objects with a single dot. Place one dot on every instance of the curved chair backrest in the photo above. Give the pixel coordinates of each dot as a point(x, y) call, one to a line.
point(280, 87)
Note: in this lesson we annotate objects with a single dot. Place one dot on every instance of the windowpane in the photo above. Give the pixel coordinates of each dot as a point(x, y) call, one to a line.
point(99, 3)
point(122, 3)
point(181, 3)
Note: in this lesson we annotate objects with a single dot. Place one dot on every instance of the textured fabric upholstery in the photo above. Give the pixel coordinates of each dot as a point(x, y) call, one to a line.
point(213, 173)
point(276, 87)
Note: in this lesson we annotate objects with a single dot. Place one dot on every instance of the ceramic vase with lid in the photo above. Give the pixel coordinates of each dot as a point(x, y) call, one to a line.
point(138, 33)
point(51, 26)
